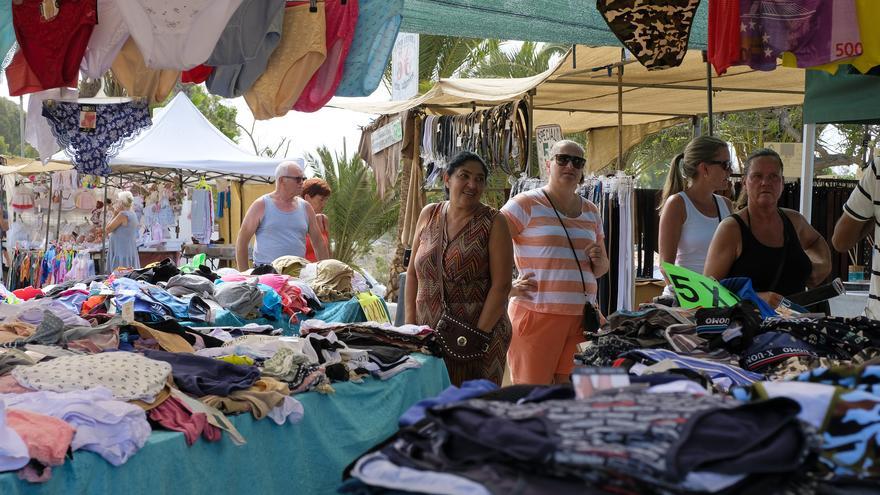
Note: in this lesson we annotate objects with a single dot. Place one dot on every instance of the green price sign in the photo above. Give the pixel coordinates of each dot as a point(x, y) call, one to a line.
point(694, 290)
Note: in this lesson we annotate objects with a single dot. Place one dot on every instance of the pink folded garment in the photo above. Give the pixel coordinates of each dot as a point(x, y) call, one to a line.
point(47, 439)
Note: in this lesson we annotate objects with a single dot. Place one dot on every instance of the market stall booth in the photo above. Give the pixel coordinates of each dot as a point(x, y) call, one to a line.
point(176, 174)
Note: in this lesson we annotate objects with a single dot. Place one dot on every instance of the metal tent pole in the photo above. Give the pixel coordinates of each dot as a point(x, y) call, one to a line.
point(21, 125)
point(709, 98)
point(620, 165)
point(49, 213)
point(808, 165)
point(104, 257)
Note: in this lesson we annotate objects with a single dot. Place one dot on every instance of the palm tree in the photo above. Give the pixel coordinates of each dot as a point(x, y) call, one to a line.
point(529, 59)
point(358, 216)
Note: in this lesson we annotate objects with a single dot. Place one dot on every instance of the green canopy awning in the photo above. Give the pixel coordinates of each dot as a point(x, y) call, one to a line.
point(845, 97)
point(555, 21)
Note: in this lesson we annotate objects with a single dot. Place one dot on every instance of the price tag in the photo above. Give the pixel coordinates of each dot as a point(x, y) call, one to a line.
point(128, 312)
point(88, 118)
point(694, 290)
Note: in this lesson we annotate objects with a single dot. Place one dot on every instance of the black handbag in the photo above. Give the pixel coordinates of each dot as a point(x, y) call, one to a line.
point(459, 340)
point(590, 320)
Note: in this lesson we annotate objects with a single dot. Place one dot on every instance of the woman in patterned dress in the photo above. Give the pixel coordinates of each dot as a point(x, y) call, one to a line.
point(477, 267)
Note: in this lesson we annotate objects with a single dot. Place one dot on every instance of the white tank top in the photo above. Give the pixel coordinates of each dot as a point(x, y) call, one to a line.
point(696, 235)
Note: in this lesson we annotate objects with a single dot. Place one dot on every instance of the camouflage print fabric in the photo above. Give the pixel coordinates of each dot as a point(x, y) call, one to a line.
point(656, 33)
point(851, 434)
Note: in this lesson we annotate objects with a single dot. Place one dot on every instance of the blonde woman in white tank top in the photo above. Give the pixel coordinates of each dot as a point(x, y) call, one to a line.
point(691, 211)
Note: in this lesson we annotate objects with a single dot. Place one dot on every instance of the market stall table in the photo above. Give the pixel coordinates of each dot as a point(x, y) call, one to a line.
point(307, 457)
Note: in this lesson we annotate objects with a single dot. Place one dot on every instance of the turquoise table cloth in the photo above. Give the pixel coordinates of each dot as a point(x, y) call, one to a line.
point(304, 458)
point(333, 312)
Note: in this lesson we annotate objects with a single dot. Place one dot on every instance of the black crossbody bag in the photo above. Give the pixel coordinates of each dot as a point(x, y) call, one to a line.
point(591, 314)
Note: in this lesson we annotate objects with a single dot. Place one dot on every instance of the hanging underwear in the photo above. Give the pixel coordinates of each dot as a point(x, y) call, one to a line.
point(341, 21)
point(106, 41)
point(815, 31)
point(299, 54)
point(196, 75)
point(656, 33)
point(138, 79)
point(867, 11)
point(22, 80)
point(90, 150)
point(723, 35)
point(243, 50)
point(377, 26)
point(173, 34)
point(54, 48)
point(38, 132)
point(7, 34)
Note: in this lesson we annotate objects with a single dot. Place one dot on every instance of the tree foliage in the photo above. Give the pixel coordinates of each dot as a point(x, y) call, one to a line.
point(10, 130)
point(358, 216)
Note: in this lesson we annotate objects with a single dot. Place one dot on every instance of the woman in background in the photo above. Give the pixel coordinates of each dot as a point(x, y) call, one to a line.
point(316, 192)
point(776, 248)
point(123, 232)
point(691, 211)
point(475, 246)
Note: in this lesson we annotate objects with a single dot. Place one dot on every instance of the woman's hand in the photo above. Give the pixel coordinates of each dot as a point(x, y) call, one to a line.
point(524, 286)
point(771, 298)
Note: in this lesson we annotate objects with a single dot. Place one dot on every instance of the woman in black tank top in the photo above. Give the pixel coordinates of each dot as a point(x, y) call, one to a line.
point(777, 249)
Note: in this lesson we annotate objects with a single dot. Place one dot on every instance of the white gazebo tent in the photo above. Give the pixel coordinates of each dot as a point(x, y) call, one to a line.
point(182, 139)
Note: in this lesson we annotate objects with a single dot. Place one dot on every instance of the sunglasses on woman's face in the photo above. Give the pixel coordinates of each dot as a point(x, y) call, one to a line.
point(727, 165)
point(577, 162)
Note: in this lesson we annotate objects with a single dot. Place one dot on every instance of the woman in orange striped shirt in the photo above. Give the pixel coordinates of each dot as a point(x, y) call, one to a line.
point(547, 300)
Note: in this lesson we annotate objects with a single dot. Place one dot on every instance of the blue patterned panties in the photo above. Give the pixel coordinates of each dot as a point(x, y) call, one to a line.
point(90, 151)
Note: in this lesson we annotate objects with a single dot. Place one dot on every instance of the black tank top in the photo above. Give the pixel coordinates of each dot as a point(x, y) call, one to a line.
point(762, 263)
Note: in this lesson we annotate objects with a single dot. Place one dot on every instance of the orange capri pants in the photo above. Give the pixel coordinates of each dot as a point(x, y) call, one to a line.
point(542, 345)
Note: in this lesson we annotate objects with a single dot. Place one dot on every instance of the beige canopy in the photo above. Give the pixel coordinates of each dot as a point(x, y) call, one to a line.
point(28, 166)
point(579, 95)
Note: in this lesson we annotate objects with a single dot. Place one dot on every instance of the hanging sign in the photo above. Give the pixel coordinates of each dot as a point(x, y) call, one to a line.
point(386, 135)
point(546, 136)
point(405, 67)
point(694, 290)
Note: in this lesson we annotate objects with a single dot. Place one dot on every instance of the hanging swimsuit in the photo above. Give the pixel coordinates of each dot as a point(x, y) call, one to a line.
point(196, 75)
point(175, 34)
point(106, 41)
point(133, 74)
point(299, 55)
point(377, 27)
point(54, 47)
point(656, 33)
point(243, 50)
point(7, 34)
point(90, 151)
point(341, 21)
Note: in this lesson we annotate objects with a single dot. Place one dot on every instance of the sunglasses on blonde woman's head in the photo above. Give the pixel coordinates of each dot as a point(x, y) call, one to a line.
point(577, 162)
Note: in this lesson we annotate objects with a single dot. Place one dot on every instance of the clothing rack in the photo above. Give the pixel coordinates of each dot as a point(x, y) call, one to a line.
point(498, 134)
point(38, 268)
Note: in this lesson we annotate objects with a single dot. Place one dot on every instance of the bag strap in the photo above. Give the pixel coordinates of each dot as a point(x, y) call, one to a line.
point(441, 253)
point(570, 244)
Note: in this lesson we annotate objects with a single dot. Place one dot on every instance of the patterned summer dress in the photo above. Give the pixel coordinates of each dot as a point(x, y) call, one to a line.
point(466, 267)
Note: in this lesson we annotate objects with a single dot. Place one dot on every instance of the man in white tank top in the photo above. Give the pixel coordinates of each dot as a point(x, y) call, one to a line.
point(280, 220)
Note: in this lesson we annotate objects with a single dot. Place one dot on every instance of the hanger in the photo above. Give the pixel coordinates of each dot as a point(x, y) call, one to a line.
point(203, 184)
